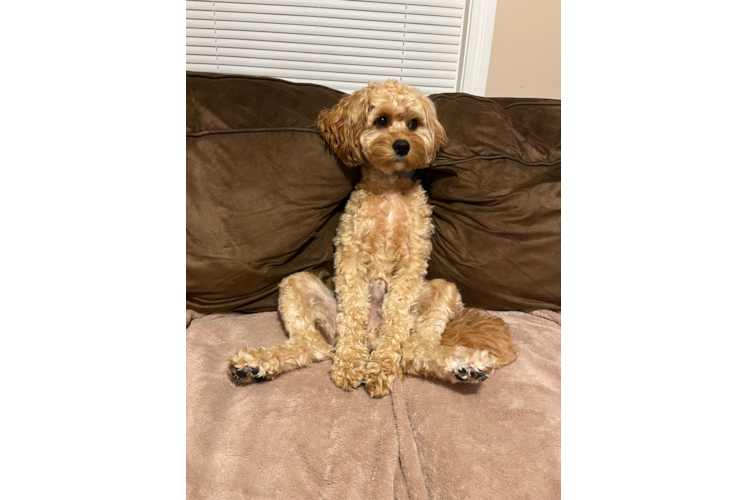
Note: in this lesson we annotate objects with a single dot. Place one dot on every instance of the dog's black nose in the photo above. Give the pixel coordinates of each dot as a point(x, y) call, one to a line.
point(401, 147)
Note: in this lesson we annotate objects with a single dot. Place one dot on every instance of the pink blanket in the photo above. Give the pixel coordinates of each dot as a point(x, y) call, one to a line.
point(300, 437)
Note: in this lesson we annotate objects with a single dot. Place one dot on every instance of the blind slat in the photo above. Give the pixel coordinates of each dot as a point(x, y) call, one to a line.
point(298, 20)
point(353, 86)
point(201, 59)
point(332, 68)
point(250, 11)
point(443, 38)
point(267, 46)
point(323, 40)
point(457, 4)
point(323, 58)
point(375, 5)
point(202, 68)
point(346, 77)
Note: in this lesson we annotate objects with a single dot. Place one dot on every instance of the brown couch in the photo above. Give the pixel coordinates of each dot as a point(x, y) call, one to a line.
point(264, 195)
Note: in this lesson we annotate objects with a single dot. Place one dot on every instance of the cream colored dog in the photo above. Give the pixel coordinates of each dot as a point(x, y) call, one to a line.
point(383, 318)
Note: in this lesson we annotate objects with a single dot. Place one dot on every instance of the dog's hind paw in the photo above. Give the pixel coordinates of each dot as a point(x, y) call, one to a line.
point(471, 372)
point(247, 366)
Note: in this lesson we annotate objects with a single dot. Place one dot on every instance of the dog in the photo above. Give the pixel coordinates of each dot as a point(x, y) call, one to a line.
point(383, 318)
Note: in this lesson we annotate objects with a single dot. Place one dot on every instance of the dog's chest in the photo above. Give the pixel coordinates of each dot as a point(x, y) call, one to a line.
point(383, 230)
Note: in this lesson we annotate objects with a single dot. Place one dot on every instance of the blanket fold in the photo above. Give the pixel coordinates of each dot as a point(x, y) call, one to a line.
point(410, 464)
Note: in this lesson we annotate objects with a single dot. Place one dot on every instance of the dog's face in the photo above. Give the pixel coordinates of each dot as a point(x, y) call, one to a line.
point(387, 125)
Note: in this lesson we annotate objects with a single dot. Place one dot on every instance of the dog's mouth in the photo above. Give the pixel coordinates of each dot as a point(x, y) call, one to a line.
point(403, 168)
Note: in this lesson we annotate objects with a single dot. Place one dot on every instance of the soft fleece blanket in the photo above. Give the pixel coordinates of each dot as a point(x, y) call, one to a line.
point(300, 437)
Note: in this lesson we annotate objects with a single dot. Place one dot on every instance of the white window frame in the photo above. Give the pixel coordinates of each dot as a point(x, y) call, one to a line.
point(475, 56)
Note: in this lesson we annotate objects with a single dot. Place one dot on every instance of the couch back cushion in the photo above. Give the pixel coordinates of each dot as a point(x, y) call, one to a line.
point(496, 192)
point(264, 194)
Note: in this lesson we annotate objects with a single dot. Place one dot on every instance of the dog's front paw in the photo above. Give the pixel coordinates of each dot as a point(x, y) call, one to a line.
point(347, 373)
point(379, 378)
point(252, 365)
point(472, 371)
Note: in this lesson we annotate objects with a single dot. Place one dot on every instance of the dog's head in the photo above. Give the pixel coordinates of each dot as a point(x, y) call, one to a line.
point(388, 125)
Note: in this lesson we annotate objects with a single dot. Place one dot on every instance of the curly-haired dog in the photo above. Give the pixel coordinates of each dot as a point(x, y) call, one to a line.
point(384, 318)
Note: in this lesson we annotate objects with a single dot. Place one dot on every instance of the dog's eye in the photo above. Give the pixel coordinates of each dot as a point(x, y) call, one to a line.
point(413, 124)
point(381, 121)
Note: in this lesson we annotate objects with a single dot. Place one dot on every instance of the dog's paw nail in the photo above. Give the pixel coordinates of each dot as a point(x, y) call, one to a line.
point(240, 373)
point(255, 370)
point(482, 378)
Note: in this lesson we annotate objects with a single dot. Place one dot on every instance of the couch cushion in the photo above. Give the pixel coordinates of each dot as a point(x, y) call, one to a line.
point(263, 193)
point(496, 192)
point(232, 102)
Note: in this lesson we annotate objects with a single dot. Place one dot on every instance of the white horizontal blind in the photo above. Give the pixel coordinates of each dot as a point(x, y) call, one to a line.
point(341, 44)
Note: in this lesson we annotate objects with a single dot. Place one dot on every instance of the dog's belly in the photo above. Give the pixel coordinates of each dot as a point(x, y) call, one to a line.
point(385, 248)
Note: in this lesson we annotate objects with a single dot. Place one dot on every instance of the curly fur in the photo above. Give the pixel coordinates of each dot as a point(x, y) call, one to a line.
point(383, 318)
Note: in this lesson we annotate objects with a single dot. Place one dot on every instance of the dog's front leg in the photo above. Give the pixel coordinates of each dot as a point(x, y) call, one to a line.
point(351, 350)
point(394, 329)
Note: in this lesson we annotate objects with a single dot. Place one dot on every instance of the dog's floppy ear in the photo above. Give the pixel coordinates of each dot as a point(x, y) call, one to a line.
point(432, 123)
point(341, 127)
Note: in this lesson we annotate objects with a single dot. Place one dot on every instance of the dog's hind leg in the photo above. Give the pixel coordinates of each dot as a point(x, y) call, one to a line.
point(307, 308)
point(425, 353)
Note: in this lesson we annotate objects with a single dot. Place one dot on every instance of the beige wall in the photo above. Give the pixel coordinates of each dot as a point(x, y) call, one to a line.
point(526, 50)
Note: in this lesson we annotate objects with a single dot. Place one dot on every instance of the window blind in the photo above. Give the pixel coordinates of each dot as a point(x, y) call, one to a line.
point(341, 44)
